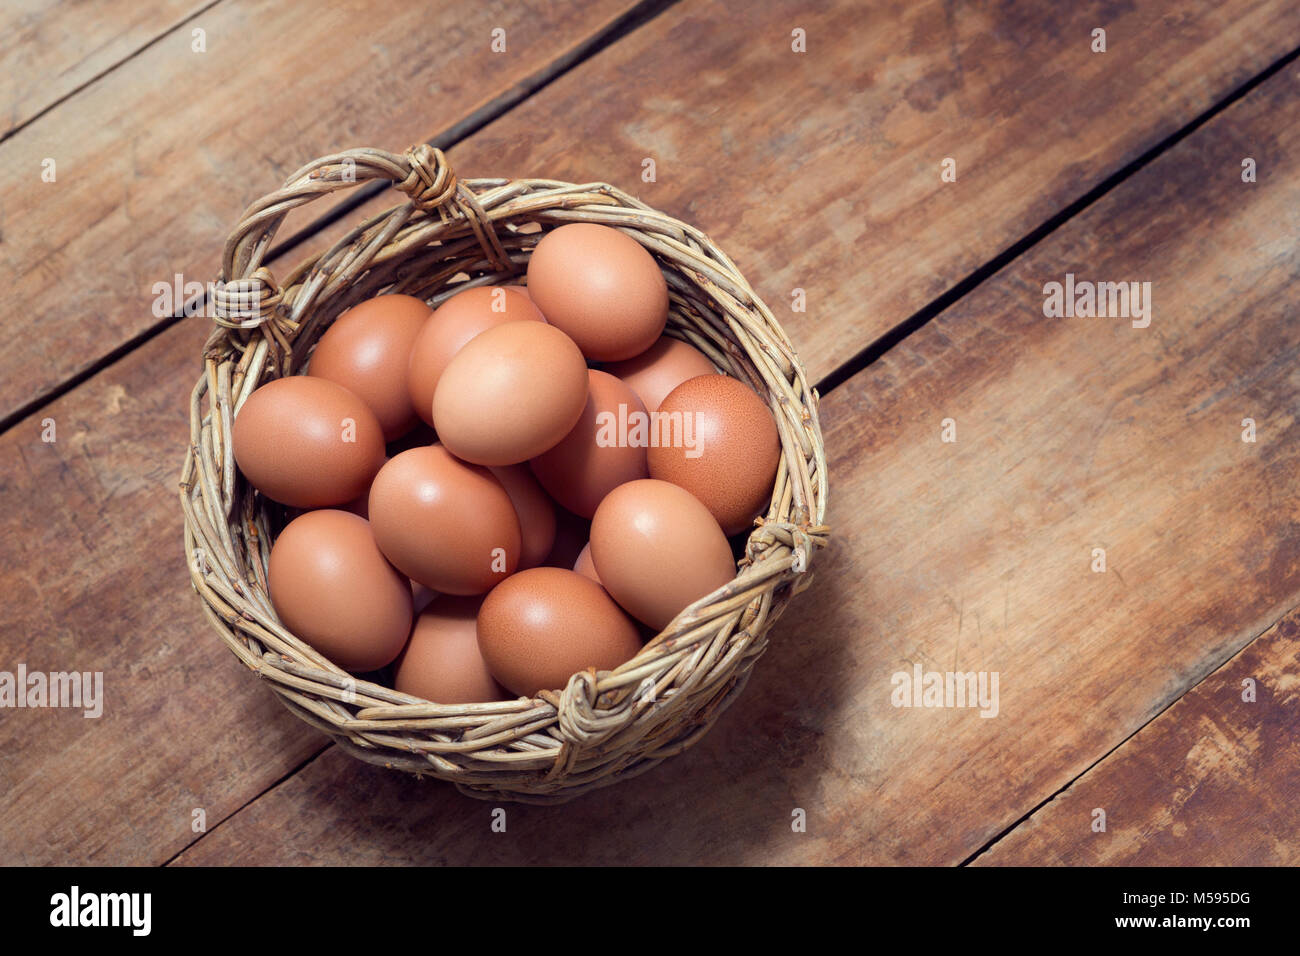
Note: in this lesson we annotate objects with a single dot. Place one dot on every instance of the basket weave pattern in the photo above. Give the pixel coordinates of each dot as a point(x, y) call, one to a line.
point(603, 726)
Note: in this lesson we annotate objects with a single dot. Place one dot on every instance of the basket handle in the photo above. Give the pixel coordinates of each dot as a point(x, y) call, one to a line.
point(246, 294)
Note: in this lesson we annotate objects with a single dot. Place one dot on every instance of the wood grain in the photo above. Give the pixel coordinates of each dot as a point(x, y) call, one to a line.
point(831, 157)
point(821, 171)
point(1213, 781)
point(156, 161)
point(93, 574)
point(50, 49)
point(90, 559)
point(1072, 434)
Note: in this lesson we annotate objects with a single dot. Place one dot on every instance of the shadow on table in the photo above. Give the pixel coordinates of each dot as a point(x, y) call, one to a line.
point(731, 799)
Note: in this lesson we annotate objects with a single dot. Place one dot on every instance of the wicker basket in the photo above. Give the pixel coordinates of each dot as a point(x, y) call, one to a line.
point(604, 726)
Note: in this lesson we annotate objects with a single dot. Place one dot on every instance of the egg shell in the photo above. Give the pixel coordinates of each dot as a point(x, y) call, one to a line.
point(601, 287)
point(368, 351)
point(307, 442)
point(596, 456)
point(442, 662)
point(661, 368)
point(452, 325)
point(738, 449)
point(510, 394)
point(535, 510)
point(585, 566)
point(333, 589)
point(541, 626)
point(443, 523)
point(657, 549)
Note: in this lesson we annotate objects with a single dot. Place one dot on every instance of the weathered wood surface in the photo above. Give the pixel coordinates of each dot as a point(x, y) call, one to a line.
point(93, 573)
point(155, 161)
point(1072, 434)
point(90, 531)
point(51, 49)
point(1214, 780)
point(821, 171)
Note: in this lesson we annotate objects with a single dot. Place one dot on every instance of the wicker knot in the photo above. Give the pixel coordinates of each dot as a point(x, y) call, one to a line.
point(582, 727)
point(433, 188)
point(801, 541)
point(246, 303)
point(431, 183)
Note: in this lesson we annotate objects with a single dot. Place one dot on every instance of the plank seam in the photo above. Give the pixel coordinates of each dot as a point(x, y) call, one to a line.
point(923, 316)
point(243, 806)
point(622, 25)
point(168, 31)
point(1154, 717)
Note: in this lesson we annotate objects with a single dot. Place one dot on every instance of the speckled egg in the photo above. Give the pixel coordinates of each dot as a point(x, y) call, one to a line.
point(733, 466)
point(539, 627)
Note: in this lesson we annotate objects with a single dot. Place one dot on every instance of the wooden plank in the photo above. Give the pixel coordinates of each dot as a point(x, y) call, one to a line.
point(822, 171)
point(1214, 780)
point(841, 145)
point(90, 562)
point(807, 733)
point(92, 571)
point(50, 49)
point(155, 162)
point(971, 556)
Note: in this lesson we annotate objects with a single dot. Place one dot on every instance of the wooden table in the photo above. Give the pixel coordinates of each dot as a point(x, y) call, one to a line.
point(1099, 534)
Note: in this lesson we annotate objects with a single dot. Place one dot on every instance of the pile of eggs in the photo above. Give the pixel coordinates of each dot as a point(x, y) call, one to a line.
point(473, 501)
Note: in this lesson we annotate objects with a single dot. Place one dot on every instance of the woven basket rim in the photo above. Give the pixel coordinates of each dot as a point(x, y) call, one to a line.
point(602, 726)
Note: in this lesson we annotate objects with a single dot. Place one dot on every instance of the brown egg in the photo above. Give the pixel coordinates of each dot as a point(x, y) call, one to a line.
point(660, 369)
point(539, 627)
point(585, 566)
point(451, 326)
point(601, 287)
point(368, 351)
point(442, 662)
point(307, 442)
point(333, 588)
point(737, 449)
point(657, 549)
point(600, 452)
point(510, 394)
point(445, 524)
point(535, 510)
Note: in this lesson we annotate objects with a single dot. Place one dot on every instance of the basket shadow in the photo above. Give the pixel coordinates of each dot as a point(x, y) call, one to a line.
point(731, 799)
